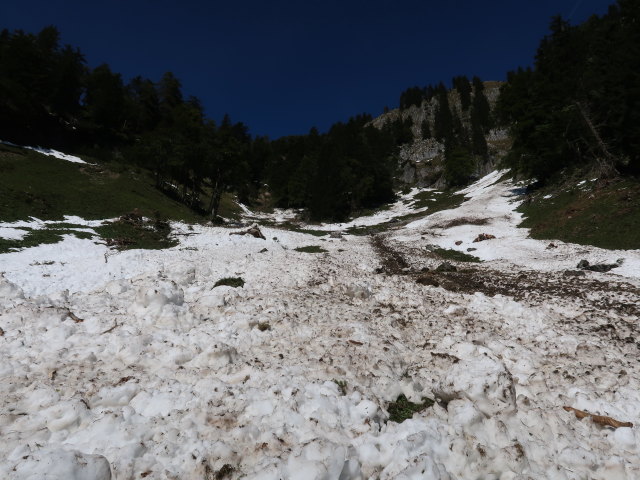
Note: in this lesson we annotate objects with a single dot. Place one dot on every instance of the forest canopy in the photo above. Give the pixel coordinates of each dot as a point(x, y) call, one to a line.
point(579, 106)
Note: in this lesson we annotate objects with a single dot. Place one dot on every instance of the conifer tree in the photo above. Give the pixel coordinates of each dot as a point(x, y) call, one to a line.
point(425, 129)
point(481, 108)
point(462, 85)
point(443, 120)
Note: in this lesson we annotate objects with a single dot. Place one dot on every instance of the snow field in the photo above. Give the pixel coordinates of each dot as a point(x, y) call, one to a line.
point(169, 377)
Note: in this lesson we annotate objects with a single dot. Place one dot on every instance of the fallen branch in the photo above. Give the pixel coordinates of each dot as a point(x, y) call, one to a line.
point(599, 419)
point(115, 325)
point(123, 380)
point(446, 356)
point(74, 317)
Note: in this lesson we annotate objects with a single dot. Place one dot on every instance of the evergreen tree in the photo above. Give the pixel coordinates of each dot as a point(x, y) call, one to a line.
point(104, 103)
point(481, 108)
point(478, 140)
point(460, 135)
point(443, 120)
point(578, 106)
point(425, 129)
point(170, 95)
point(144, 105)
point(458, 165)
point(462, 85)
point(411, 97)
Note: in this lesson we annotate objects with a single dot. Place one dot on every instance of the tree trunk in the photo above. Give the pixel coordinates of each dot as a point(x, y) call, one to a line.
point(216, 195)
point(607, 166)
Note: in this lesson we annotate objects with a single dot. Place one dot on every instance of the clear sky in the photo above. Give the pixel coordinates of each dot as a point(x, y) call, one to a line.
point(282, 67)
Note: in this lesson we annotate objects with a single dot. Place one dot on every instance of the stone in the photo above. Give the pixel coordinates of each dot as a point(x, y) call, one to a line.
point(483, 236)
point(600, 267)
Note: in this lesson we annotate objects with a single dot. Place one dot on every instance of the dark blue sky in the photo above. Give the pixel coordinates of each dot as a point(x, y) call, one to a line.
point(284, 66)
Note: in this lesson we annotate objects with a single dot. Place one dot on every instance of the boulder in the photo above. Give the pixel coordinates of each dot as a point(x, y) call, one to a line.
point(600, 267)
point(254, 231)
point(483, 236)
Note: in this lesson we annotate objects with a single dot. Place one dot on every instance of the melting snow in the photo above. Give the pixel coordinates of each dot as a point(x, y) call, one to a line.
point(50, 152)
point(161, 375)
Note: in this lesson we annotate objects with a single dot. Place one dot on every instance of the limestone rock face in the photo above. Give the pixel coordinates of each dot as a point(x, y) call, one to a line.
point(421, 162)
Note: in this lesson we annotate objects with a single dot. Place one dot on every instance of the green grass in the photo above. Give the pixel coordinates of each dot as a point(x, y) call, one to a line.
point(235, 282)
point(342, 386)
point(126, 236)
point(65, 225)
point(402, 409)
point(36, 185)
point(295, 228)
point(438, 201)
point(229, 207)
point(603, 214)
point(450, 254)
point(309, 231)
point(311, 249)
point(365, 212)
point(118, 234)
point(38, 237)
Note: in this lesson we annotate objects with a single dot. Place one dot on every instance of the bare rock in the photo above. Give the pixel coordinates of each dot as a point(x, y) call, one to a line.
point(483, 236)
point(254, 231)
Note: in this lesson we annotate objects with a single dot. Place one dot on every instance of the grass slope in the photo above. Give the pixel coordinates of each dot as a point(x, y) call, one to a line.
point(36, 185)
point(605, 214)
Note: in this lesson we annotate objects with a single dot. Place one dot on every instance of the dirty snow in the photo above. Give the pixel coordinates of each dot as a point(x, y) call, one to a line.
point(496, 202)
point(160, 375)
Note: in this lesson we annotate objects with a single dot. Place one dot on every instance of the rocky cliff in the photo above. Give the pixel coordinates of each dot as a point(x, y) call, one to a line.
point(421, 162)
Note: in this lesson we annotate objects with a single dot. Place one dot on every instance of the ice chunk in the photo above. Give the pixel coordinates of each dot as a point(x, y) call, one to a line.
point(63, 465)
point(479, 377)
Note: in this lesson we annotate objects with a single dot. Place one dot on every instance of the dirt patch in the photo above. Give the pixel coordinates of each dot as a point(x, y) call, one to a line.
point(530, 285)
point(456, 222)
point(393, 263)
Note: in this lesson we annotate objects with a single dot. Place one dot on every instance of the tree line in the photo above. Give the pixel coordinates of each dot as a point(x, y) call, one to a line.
point(51, 97)
point(579, 105)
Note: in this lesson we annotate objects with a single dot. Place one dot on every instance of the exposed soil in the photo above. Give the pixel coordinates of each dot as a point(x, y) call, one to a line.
point(534, 286)
point(462, 221)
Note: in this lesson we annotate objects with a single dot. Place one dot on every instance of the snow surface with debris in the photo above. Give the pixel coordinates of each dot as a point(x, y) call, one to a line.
point(496, 202)
point(133, 365)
